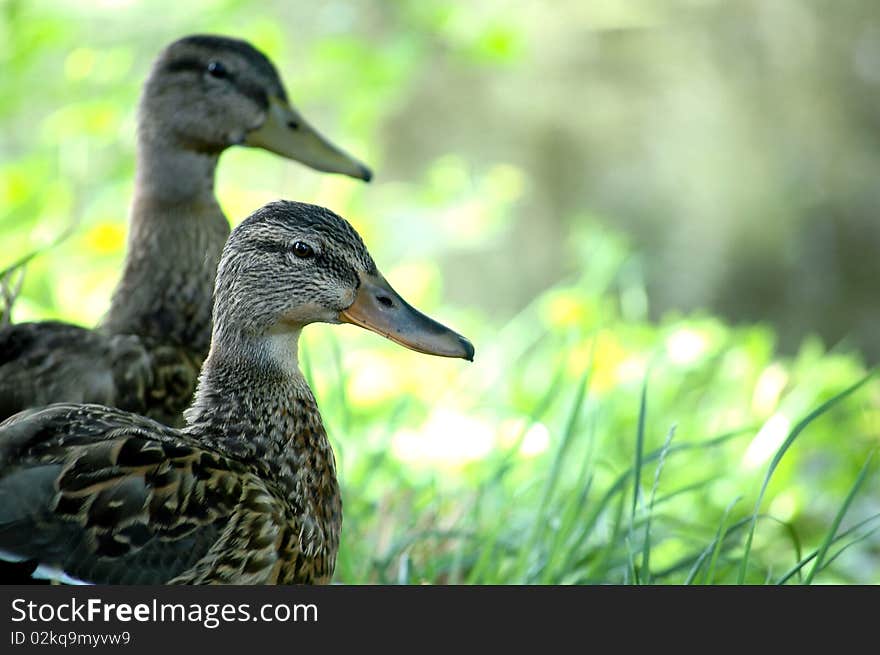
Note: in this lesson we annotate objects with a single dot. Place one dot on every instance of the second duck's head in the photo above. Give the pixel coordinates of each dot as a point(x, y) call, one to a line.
point(206, 93)
point(290, 264)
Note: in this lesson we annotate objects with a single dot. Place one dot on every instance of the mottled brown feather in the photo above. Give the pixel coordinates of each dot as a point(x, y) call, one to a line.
point(246, 492)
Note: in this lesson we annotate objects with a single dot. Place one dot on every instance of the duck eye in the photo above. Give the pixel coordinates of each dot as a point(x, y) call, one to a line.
point(217, 69)
point(303, 250)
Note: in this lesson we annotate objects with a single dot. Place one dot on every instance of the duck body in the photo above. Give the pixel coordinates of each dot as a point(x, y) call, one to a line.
point(50, 360)
point(246, 492)
point(204, 95)
point(119, 499)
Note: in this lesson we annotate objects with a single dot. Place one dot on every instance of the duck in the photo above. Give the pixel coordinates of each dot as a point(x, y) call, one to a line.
point(246, 492)
point(204, 94)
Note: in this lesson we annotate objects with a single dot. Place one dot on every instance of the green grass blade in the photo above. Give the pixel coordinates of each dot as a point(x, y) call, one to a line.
point(716, 544)
point(684, 490)
point(719, 539)
point(698, 564)
point(694, 562)
point(637, 474)
point(9, 289)
point(847, 546)
point(789, 440)
point(539, 522)
point(835, 524)
point(646, 550)
point(605, 501)
point(488, 555)
point(843, 535)
point(604, 555)
point(572, 510)
point(640, 445)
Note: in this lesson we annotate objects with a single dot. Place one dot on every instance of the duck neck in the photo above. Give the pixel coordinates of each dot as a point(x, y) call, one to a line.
point(176, 234)
point(253, 403)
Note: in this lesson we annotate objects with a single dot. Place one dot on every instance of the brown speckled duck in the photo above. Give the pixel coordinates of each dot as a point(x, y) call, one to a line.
point(203, 95)
point(246, 492)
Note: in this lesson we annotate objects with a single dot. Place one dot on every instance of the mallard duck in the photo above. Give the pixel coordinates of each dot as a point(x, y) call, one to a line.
point(203, 95)
point(246, 491)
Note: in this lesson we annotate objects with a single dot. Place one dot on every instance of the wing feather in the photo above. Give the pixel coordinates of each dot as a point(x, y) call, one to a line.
point(109, 497)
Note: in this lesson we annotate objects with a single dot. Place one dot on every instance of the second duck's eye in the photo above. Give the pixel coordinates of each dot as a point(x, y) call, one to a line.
point(217, 69)
point(303, 250)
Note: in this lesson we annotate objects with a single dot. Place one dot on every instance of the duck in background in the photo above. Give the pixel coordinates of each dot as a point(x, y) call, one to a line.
point(246, 492)
point(204, 94)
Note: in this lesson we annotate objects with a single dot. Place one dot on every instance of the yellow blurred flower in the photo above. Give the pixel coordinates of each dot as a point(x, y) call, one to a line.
point(105, 238)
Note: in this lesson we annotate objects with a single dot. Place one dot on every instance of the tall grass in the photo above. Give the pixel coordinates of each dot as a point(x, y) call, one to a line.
point(574, 516)
point(683, 478)
point(777, 457)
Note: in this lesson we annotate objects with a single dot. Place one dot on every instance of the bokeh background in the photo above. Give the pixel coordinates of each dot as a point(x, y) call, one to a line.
point(657, 221)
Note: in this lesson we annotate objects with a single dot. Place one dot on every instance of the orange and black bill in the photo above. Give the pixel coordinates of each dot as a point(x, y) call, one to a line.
point(380, 308)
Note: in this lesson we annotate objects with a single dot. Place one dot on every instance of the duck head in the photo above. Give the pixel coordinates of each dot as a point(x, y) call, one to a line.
point(206, 93)
point(290, 264)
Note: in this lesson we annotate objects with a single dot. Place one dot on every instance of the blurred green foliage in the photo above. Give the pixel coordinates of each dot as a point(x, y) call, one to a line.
point(540, 462)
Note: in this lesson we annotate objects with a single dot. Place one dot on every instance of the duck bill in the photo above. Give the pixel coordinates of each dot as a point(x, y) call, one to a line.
point(379, 308)
point(286, 133)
